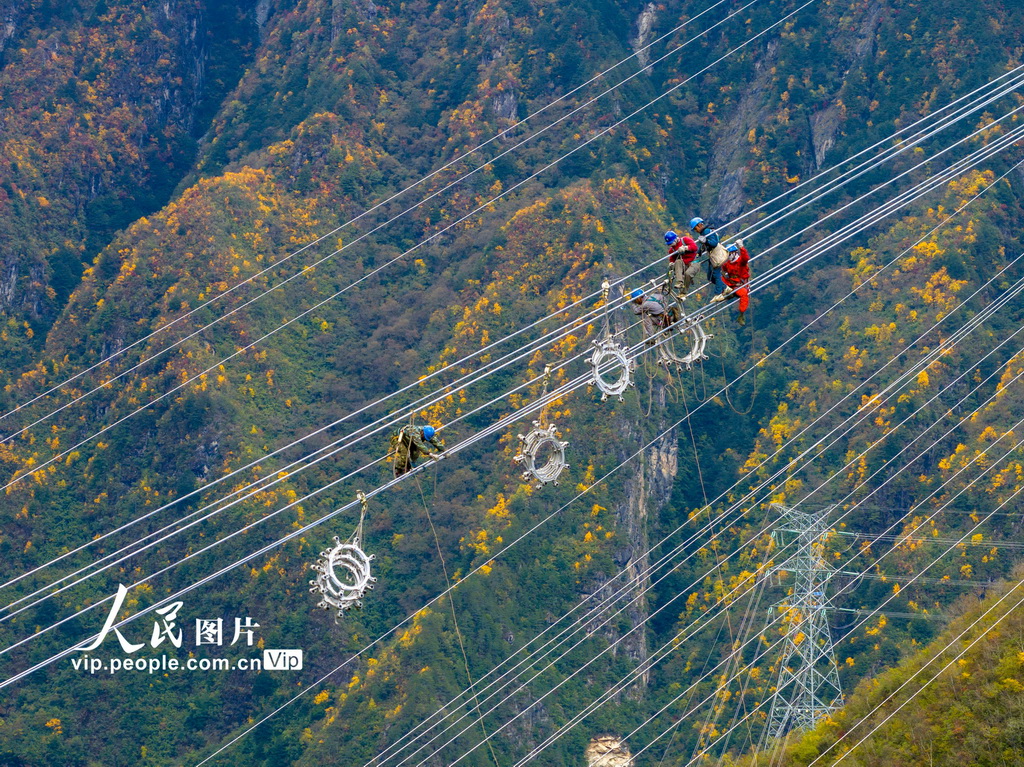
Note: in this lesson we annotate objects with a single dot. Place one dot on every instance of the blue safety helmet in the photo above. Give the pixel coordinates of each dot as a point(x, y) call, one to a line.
point(670, 237)
point(733, 248)
point(637, 293)
point(428, 432)
point(695, 221)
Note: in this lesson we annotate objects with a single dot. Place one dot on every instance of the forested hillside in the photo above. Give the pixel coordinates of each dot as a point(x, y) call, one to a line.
point(101, 107)
point(956, 699)
point(242, 245)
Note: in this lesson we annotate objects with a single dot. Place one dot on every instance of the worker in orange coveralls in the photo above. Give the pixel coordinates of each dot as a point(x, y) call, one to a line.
point(736, 275)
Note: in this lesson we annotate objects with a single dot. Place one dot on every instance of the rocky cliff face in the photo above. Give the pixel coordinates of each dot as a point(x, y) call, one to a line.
point(647, 490)
point(644, 28)
point(738, 143)
point(10, 21)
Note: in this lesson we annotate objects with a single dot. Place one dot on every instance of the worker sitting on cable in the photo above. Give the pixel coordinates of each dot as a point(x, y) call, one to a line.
point(410, 444)
point(682, 262)
point(652, 312)
point(709, 245)
point(736, 273)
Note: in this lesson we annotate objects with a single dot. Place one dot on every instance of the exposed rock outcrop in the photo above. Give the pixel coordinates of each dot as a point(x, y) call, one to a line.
point(8, 27)
point(826, 122)
point(730, 197)
point(261, 15)
point(644, 26)
point(647, 491)
point(824, 127)
point(505, 104)
point(727, 166)
point(608, 751)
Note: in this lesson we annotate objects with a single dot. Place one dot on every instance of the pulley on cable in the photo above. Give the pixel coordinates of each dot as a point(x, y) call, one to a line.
point(698, 341)
point(662, 321)
point(542, 440)
point(343, 572)
point(609, 354)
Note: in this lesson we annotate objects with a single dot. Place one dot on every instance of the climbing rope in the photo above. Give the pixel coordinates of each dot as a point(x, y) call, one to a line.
point(753, 395)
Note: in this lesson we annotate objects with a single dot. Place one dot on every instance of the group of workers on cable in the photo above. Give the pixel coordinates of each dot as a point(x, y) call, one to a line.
point(728, 271)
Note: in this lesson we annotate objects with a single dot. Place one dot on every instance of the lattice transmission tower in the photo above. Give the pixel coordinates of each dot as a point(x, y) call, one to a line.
point(808, 687)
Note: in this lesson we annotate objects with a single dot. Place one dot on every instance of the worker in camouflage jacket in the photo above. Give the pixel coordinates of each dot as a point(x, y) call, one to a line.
point(410, 444)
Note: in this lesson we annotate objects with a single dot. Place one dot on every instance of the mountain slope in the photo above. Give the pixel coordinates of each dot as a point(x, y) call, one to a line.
point(344, 104)
point(101, 104)
point(955, 700)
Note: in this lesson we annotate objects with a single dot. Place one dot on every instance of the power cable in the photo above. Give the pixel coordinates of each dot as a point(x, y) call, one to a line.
point(378, 205)
point(279, 477)
point(323, 678)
